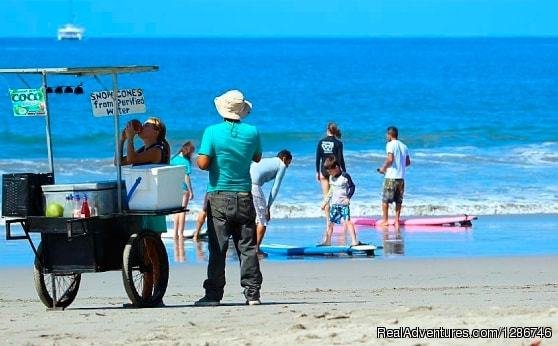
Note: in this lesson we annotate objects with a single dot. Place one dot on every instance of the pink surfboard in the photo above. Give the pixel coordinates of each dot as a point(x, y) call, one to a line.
point(413, 228)
point(459, 220)
point(410, 228)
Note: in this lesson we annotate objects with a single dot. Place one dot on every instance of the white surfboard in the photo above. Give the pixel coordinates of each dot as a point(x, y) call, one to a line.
point(188, 233)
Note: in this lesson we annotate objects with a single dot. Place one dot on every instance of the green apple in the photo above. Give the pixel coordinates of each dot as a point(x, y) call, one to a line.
point(54, 210)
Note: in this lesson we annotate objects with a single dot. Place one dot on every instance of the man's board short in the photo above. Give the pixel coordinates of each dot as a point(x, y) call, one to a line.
point(393, 191)
point(260, 204)
point(338, 212)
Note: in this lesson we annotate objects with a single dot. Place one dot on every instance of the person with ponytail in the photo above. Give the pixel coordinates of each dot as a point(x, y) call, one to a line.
point(155, 149)
point(330, 145)
point(183, 158)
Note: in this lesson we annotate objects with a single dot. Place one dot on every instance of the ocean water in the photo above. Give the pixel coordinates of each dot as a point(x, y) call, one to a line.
point(490, 236)
point(480, 116)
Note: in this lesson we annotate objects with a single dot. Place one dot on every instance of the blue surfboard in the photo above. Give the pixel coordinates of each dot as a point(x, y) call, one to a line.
point(289, 250)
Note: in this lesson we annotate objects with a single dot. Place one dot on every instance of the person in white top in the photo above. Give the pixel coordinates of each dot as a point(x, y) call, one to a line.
point(394, 168)
point(261, 172)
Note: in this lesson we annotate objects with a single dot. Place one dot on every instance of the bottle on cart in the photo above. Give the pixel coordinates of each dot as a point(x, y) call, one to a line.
point(77, 206)
point(85, 211)
point(68, 206)
point(93, 206)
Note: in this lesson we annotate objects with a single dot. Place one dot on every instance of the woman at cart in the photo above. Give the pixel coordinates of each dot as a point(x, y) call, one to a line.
point(155, 150)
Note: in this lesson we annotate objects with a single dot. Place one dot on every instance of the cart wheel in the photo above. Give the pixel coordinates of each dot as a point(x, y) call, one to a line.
point(66, 285)
point(145, 269)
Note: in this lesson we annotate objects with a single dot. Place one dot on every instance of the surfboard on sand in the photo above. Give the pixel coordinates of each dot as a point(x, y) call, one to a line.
point(459, 220)
point(289, 250)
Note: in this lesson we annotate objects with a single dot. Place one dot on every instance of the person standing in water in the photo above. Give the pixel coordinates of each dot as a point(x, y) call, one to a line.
point(338, 198)
point(329, 145)
point(183, 158)
point(394, 169)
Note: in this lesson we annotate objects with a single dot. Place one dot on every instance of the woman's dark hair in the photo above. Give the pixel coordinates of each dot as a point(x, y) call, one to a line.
point(161, 137)
point(334, 130)
point(285, 154)
point(166, 152)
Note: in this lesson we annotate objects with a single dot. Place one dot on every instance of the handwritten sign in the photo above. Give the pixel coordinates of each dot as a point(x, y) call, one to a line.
point(130, 101)
point(28, 102)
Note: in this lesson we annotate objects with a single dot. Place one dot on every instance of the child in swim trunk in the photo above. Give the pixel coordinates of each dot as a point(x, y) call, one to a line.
point(341, 189)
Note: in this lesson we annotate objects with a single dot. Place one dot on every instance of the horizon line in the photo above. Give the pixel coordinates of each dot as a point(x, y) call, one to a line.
point(299, 37)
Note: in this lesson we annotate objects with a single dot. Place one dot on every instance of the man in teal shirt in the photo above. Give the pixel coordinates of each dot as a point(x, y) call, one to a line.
point(226, 151)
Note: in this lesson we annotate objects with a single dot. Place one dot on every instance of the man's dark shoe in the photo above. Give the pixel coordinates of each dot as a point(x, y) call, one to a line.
point(207, 302)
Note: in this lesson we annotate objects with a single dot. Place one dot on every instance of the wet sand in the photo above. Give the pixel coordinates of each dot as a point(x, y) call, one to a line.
point(337, 301)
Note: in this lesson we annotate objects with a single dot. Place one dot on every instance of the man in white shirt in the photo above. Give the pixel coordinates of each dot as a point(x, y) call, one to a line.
point(394, 168)
point(261, 172)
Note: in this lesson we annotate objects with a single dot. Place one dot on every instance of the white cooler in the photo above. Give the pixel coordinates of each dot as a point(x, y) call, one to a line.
point(153, 187)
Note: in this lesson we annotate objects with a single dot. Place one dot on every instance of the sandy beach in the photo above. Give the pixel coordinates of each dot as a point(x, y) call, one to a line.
point(311, 303)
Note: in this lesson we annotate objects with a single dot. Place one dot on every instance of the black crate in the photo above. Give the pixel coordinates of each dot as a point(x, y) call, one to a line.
point(22, 194)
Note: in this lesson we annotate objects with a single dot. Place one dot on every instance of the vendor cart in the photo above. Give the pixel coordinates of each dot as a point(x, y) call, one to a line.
point(71, 246)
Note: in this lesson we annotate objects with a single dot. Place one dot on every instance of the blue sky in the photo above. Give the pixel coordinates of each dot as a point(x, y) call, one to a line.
point(281, 18)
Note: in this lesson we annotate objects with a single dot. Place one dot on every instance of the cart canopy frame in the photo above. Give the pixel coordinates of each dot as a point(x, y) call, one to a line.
point(114, 71)
point(81, 71)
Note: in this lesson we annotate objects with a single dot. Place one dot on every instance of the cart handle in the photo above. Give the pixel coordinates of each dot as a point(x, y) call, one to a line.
point(23, 223)
point(9, 235)
point(133, 189)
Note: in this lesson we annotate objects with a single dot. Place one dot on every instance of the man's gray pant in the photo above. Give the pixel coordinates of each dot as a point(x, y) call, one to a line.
point(232, 214)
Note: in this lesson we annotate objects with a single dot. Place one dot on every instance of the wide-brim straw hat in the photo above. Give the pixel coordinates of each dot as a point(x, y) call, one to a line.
point(232, 105)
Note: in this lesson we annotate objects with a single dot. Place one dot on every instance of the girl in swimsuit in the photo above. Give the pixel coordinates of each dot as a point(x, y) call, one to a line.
point(183, 158)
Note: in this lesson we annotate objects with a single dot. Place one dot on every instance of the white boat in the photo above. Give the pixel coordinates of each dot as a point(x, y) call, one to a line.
point(70, 32)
